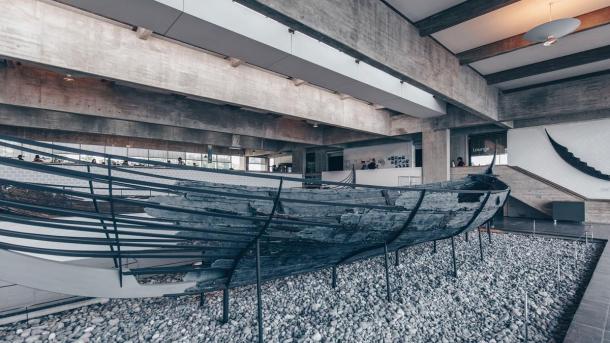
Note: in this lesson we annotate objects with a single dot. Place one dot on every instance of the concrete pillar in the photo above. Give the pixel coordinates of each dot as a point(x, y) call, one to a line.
point(459, 146)
point(298, 160)
point(435, 150)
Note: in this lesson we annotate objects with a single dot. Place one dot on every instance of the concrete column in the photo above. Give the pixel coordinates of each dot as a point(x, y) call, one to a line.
point(459, 147)
point(435, 150)
point(298, 160)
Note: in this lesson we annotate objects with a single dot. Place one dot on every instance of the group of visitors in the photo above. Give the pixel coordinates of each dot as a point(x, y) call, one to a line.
point(458, 163)
point(371, 165)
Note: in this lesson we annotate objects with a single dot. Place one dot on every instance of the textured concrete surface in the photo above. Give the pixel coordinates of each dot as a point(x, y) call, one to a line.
point(45, 33)
point(435, 146)
point(35, 87)
point(371, 31)
point(586, 96)
point(87, 127)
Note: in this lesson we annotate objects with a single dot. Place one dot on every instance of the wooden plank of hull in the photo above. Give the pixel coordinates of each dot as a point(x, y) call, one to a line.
point(291, 249)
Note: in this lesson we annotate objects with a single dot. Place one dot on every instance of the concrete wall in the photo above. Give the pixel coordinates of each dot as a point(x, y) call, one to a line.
point(397, 177)
point(530, 149)
point(435, 150)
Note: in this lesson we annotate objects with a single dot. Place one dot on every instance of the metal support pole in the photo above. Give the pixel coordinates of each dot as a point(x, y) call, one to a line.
point(259, 300)
point(97, 210)
point(397, 258)
point(334, 276)
point(387, 273)
point(453, 257)
point(225, 305)
point(526, 318)
point(434, 248)
point(112, 215)
point(202, 299)
point(466, 236)
point(480, 244)
point(489, 231)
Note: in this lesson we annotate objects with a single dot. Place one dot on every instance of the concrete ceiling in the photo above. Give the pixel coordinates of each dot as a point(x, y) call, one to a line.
point(513, 20)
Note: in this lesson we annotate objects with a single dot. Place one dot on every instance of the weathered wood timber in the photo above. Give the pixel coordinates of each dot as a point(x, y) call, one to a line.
point(215, 236)
point(331, 226)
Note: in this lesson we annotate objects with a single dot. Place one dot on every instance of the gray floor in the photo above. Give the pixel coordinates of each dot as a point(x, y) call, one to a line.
point(591, 322)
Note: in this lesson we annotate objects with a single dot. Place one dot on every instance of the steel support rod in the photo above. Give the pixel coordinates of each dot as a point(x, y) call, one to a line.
point(434, 248)
point(526, 319)
point(466, 236)
point(202, 299)
point(480, 243)
point(334, 277)
point(387, 273)
point(453, 257)
point(489, 231)
point(259, 300)
point(225, 305)
point(97, 210)
point(397, 258)
point(113, 216)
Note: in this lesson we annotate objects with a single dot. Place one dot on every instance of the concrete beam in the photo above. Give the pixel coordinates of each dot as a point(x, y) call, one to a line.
point(458, 118)
point(580, 95)
point(35, 87)
point(564, 118)
point(110, 140)
point(339, 136)
point(372, 32)
point(233, 30)
point(48, 120)
point(45, 33)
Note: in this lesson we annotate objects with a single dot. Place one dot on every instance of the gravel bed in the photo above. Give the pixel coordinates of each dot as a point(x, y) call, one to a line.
point(485, 303)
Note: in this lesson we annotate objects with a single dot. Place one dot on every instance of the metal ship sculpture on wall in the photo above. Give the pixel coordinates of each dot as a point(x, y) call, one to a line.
point(217, 236)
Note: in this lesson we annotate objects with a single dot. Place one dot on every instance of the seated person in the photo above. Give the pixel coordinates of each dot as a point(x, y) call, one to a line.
point(20, 157)
point(37, 159)
point(372, 164)
point(460, 162)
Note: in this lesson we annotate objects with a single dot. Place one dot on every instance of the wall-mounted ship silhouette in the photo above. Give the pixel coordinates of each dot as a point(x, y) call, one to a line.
point(212, 233)
point(574, 161)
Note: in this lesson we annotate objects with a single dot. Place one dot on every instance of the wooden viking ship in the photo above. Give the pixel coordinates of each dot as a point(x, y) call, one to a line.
point(216, 235)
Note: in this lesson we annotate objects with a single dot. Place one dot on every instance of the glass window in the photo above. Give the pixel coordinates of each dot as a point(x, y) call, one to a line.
point(258, 164)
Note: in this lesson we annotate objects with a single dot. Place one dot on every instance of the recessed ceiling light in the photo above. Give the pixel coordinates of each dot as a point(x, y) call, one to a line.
point(315, 124)
point(549, 32)
point(68, 78)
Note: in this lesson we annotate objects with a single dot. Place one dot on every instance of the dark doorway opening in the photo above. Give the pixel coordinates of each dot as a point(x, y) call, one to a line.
point(335, 161)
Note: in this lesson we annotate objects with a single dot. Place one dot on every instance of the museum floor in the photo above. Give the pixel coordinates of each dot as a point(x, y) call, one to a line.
point(591, 322)
point(485, 303)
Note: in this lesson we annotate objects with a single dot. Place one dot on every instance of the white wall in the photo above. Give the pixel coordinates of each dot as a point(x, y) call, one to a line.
point(530, 149)
point(392, 177)
point(379, 153)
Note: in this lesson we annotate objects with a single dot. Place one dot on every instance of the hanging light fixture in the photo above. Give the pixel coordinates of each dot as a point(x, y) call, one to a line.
point(68, 78)
point(549, 32)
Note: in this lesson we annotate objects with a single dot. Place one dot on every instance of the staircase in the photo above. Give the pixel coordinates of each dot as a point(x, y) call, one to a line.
point(576, 162)
point(526, 187)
